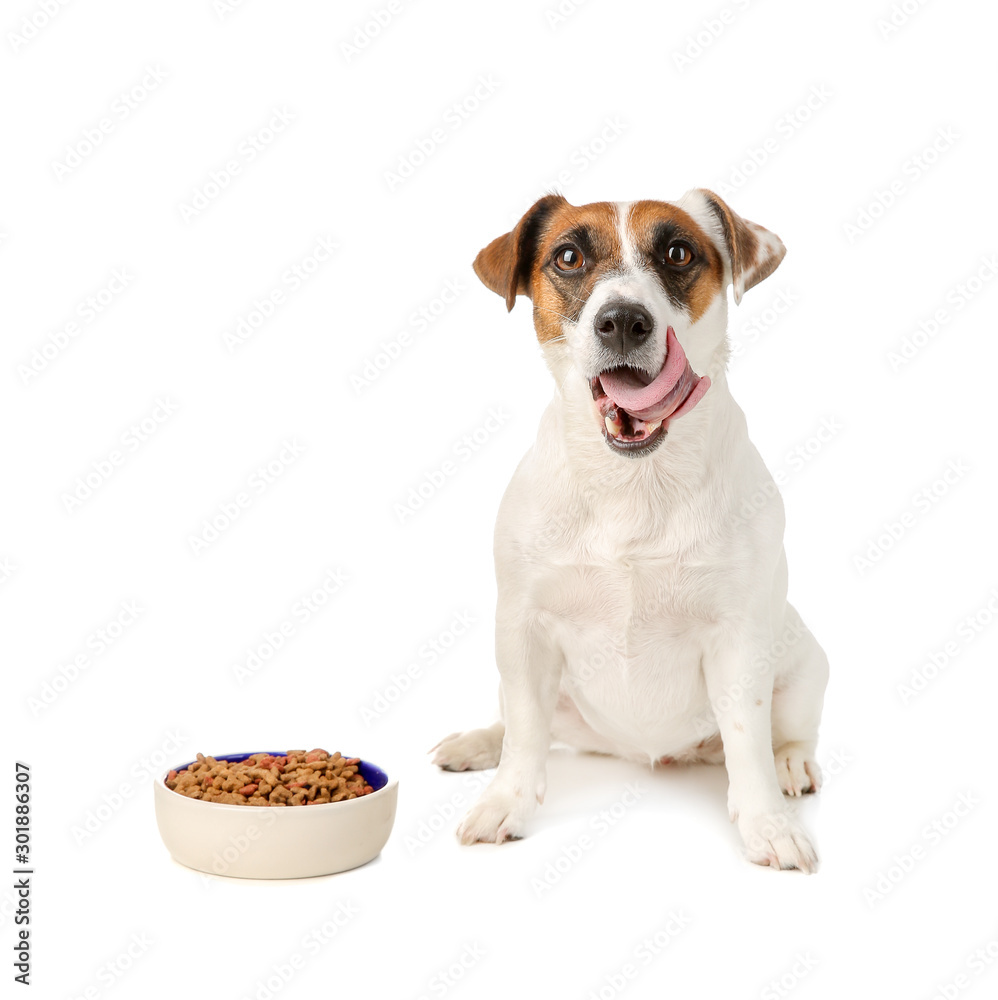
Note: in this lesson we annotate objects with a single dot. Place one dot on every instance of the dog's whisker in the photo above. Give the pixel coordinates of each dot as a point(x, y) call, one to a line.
point(554, 312)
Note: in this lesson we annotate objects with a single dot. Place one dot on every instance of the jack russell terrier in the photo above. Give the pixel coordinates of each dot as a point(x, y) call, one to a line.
point(642, 581)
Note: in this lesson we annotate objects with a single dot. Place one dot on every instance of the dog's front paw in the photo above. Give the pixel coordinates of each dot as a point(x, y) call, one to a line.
point(797, 773)
point(777, 839)
point(496, 817)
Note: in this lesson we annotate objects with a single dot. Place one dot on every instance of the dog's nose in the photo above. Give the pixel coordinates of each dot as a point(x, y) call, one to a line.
point(622, 326)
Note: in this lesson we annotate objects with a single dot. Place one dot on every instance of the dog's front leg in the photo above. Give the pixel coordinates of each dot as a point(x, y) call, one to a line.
point(739, 680)
point(530, 670)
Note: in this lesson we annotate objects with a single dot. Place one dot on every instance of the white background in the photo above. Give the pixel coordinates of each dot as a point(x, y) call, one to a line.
point(859, 279)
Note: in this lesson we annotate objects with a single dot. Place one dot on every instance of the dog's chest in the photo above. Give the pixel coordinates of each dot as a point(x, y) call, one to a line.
point(632, 605)
point(632, 636)
point(624, 569)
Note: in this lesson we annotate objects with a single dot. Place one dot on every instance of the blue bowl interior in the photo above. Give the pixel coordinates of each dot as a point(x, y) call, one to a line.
point(374, 776)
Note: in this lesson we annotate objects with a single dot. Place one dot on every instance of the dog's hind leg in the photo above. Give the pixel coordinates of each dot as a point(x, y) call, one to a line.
point(473, 750)
point(798, 694)
point(480, 749)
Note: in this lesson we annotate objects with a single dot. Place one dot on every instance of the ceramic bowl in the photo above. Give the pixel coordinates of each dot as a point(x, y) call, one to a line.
point(275, 842)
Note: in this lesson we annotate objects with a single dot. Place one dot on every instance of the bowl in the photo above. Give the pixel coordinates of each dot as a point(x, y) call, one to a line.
point(273, 842)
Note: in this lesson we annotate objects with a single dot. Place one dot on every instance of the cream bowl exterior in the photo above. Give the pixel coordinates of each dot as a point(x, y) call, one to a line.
point(274, 842)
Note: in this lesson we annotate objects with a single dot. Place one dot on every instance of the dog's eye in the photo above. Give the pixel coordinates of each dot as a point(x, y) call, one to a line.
point(679, 254)
point(568, 259)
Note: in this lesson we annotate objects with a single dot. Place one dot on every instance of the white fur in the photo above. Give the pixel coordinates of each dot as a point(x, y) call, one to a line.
point(639, 601)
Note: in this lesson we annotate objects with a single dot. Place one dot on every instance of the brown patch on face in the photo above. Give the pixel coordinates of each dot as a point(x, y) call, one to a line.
point(654, 226)
point(504, 265)
point(592, 231)
point(522, 261)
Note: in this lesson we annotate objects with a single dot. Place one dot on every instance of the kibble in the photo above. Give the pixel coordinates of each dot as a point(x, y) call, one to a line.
point(297, 778)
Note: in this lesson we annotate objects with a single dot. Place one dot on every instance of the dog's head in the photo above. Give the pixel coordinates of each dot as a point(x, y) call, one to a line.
point(624, 292)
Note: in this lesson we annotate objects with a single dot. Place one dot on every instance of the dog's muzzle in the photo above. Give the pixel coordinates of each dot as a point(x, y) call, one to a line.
point(635, 407)
point(622, 327)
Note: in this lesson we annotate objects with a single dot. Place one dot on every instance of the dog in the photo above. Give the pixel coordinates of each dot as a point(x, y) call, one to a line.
point(642, 581)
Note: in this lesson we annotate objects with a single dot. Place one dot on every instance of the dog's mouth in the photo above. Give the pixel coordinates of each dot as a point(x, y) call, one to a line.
point(635, 407)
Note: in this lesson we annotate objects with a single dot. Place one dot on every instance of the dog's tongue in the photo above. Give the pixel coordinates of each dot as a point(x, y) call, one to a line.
point(674, 391)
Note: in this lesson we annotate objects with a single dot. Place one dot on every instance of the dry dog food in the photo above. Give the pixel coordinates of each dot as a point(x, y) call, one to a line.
point(297, 778)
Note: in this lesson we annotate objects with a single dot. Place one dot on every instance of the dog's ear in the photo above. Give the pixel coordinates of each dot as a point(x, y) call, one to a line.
point(505, 264)
point(753, 253)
